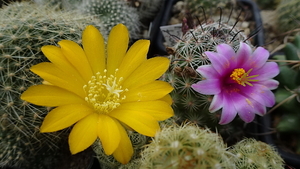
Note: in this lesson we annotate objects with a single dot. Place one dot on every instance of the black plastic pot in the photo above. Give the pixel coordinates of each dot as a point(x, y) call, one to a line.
point(157, 47)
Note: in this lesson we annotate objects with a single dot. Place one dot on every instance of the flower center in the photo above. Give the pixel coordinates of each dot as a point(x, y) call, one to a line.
point(104, 92)
point(242, 77)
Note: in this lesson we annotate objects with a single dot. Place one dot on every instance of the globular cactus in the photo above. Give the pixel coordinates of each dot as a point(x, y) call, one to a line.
point(113, 12)
point(186, 146)
point(254, 154)
point(186, 56)
point(288, 16)
point(25, 27)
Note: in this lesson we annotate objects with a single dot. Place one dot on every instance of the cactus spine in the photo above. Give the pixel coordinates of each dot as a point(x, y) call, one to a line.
point(288, 15)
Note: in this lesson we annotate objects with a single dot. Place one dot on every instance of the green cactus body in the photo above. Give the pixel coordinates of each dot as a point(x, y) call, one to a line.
point(186, 146)
point(255, 154)
point(113, 12)
point(188, 55)
point(25, 27)
point(288, 15)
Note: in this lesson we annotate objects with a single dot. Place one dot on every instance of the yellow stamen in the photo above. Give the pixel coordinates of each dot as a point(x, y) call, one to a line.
point(242, 77)
point(104, 92)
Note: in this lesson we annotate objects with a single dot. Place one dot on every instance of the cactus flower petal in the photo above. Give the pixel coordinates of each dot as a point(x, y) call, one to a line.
point(116, 47)
point(100, 88)
point(94, 48)
point(240, 82)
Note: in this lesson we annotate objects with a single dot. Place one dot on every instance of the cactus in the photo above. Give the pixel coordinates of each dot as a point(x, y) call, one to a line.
point(251, 153)
point(25, 27)
point(288, 15)
point(186, 56)
point(288, 94)
point(186, 146)
point(113, 12)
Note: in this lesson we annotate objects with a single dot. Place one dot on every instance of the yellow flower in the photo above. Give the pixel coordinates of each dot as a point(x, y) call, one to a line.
point(103, 90)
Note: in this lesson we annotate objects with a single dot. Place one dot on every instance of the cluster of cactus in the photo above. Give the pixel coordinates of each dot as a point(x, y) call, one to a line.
point(25, 27)
point(251, 153)
point(288, 93)
point(186, 56)
point(189, 146)
point(288, 16)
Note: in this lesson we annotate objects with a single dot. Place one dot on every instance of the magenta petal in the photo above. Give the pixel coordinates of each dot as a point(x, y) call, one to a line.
point(228, 52)
point(208, 87)
point(259, 93)
point(258, 59)
point(243, 54)
point(271, 83)
point(244, 107)
point(218, 62)
point(208, 71)
point(267, 71)
point(216, 103)
point(228, 112)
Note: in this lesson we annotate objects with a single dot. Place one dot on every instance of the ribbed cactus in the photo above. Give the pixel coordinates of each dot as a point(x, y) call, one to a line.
point(186, 146)
point(288, 15)
point(113, 12)
point(186, 56)
point(24, 28)
point(254, 154)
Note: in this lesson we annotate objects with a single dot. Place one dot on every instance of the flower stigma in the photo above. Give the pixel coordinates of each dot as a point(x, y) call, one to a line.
point(104, 92)
point(242, 77)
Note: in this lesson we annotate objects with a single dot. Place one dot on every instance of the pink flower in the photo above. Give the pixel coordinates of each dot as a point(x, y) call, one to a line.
point(240, 82)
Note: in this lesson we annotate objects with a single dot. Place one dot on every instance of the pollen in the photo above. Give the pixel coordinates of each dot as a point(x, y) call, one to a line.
point(104, 92)
point(242, 77)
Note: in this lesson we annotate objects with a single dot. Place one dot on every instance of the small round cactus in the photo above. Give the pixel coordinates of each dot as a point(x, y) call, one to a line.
point(113, 12)
point(25, 27)
point(186, 146)
point(251, 153)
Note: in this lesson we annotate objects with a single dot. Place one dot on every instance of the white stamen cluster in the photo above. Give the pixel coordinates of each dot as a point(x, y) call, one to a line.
point(104, 92)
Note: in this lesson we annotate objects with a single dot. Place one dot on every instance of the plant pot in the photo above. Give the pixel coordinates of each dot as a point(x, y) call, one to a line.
point(157, 47)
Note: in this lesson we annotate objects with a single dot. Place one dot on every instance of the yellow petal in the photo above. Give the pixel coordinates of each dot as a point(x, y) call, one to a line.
point(55, 55)
point(139, 121)
point(76, 56)
point(108, 133)
point(94, 48)
point(160, 110)
point(151, 91)
point(51, 96)
point(53, 75)
point(167, 98)
point(84, 133)
point(117, 46)
point(136, 54)
point(64, 116)
point(147, 72)
point(124, 151)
